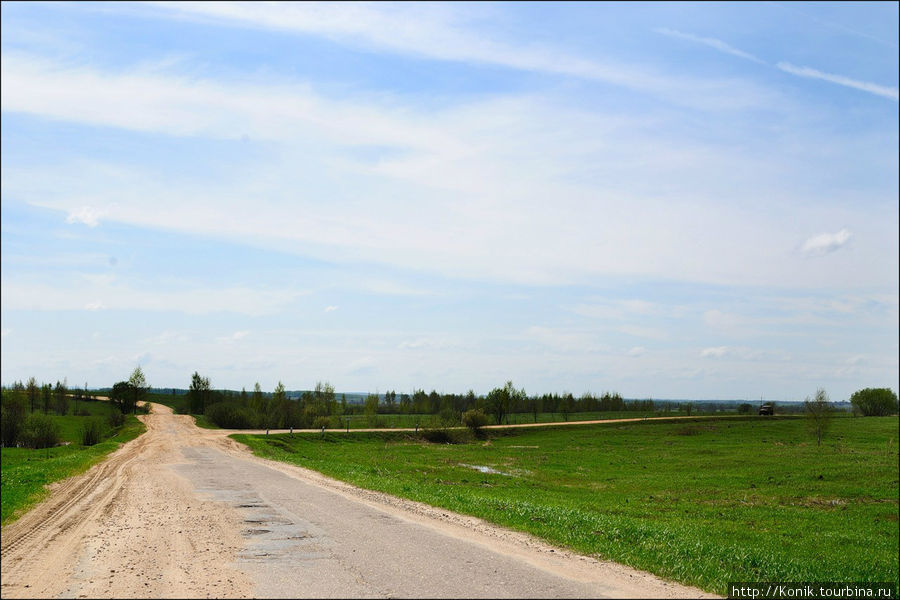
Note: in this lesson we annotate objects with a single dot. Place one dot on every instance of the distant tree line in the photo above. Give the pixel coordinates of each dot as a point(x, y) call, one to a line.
point(25, 410)
point(322, 407)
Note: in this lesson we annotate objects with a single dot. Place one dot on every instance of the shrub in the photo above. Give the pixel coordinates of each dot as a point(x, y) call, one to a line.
point(475, 419)
point(443, 435)
point(874, 402)
point(40, 431)
point(91, 432)
point(230, 415)
point(116, 419)
point(12, 419)
point(82, 412)
point(322, 422)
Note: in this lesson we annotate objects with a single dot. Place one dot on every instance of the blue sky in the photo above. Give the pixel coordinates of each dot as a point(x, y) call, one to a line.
point(666, 200)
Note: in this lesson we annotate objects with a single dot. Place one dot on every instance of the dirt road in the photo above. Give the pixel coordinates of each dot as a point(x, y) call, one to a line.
point(183, 512)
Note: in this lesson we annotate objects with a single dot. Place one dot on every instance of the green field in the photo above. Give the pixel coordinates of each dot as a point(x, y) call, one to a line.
point(701, 502)
point(404, 421)
point(25, 473)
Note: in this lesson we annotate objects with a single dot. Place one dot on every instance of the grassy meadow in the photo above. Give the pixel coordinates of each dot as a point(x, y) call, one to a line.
point(26, 472)
point(701, 502)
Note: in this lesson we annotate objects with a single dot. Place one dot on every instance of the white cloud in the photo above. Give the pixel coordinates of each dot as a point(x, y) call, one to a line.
point(254, 302)
point(469, 189)
point(865, 86)
point(428, 343)
point(5, 332)
point(85, 214)
point(331, 308)
point(563, 340)
point(720, 320)
point(637, 351)
point(234, 337)
point(716, 351)
point(653, 333)
point(711, 42)
point(824, 243)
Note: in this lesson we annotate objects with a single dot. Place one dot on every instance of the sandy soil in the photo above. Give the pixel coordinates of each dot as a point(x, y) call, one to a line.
point(183, 512)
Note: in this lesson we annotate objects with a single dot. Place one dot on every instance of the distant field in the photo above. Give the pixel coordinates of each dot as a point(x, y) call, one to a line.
point(701, 502)
point(26, 472)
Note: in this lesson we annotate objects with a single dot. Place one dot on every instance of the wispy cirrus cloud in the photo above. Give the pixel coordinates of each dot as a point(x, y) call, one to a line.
point(808, 72)
point(711, 42)
point(441, 32)
point(872, 88)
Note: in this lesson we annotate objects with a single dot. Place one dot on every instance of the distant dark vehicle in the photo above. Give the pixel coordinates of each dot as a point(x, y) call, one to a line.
point(767, 409)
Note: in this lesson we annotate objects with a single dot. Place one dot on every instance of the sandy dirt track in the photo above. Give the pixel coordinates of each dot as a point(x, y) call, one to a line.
point(182, 512)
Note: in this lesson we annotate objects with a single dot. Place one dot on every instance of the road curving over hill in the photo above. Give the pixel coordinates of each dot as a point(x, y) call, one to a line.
point(183, 512)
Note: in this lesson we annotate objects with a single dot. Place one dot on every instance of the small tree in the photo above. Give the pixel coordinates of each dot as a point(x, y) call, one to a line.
point(874, 402)
point(138, 387)
point(122, 396)
point(371, 409)
point(498, 402)
point(198, 394)
point(818, 414)
point(40, 431)
point(745, 408)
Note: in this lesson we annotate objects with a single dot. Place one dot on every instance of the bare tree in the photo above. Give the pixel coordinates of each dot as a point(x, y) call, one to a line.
point(818, 414)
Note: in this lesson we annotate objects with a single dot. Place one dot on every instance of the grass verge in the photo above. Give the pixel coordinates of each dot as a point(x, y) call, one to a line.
point(704, 503)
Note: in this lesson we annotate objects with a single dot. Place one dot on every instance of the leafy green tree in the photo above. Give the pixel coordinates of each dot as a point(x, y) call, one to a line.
point(198, 393)
point(500, 400)
point(122, 396)
point(371, 409)
point(257, 400)
point(818, 414)
point(874, 402)
point(138, 387)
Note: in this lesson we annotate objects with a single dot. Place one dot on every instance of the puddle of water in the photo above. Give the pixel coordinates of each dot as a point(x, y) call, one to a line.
point(485, 469)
